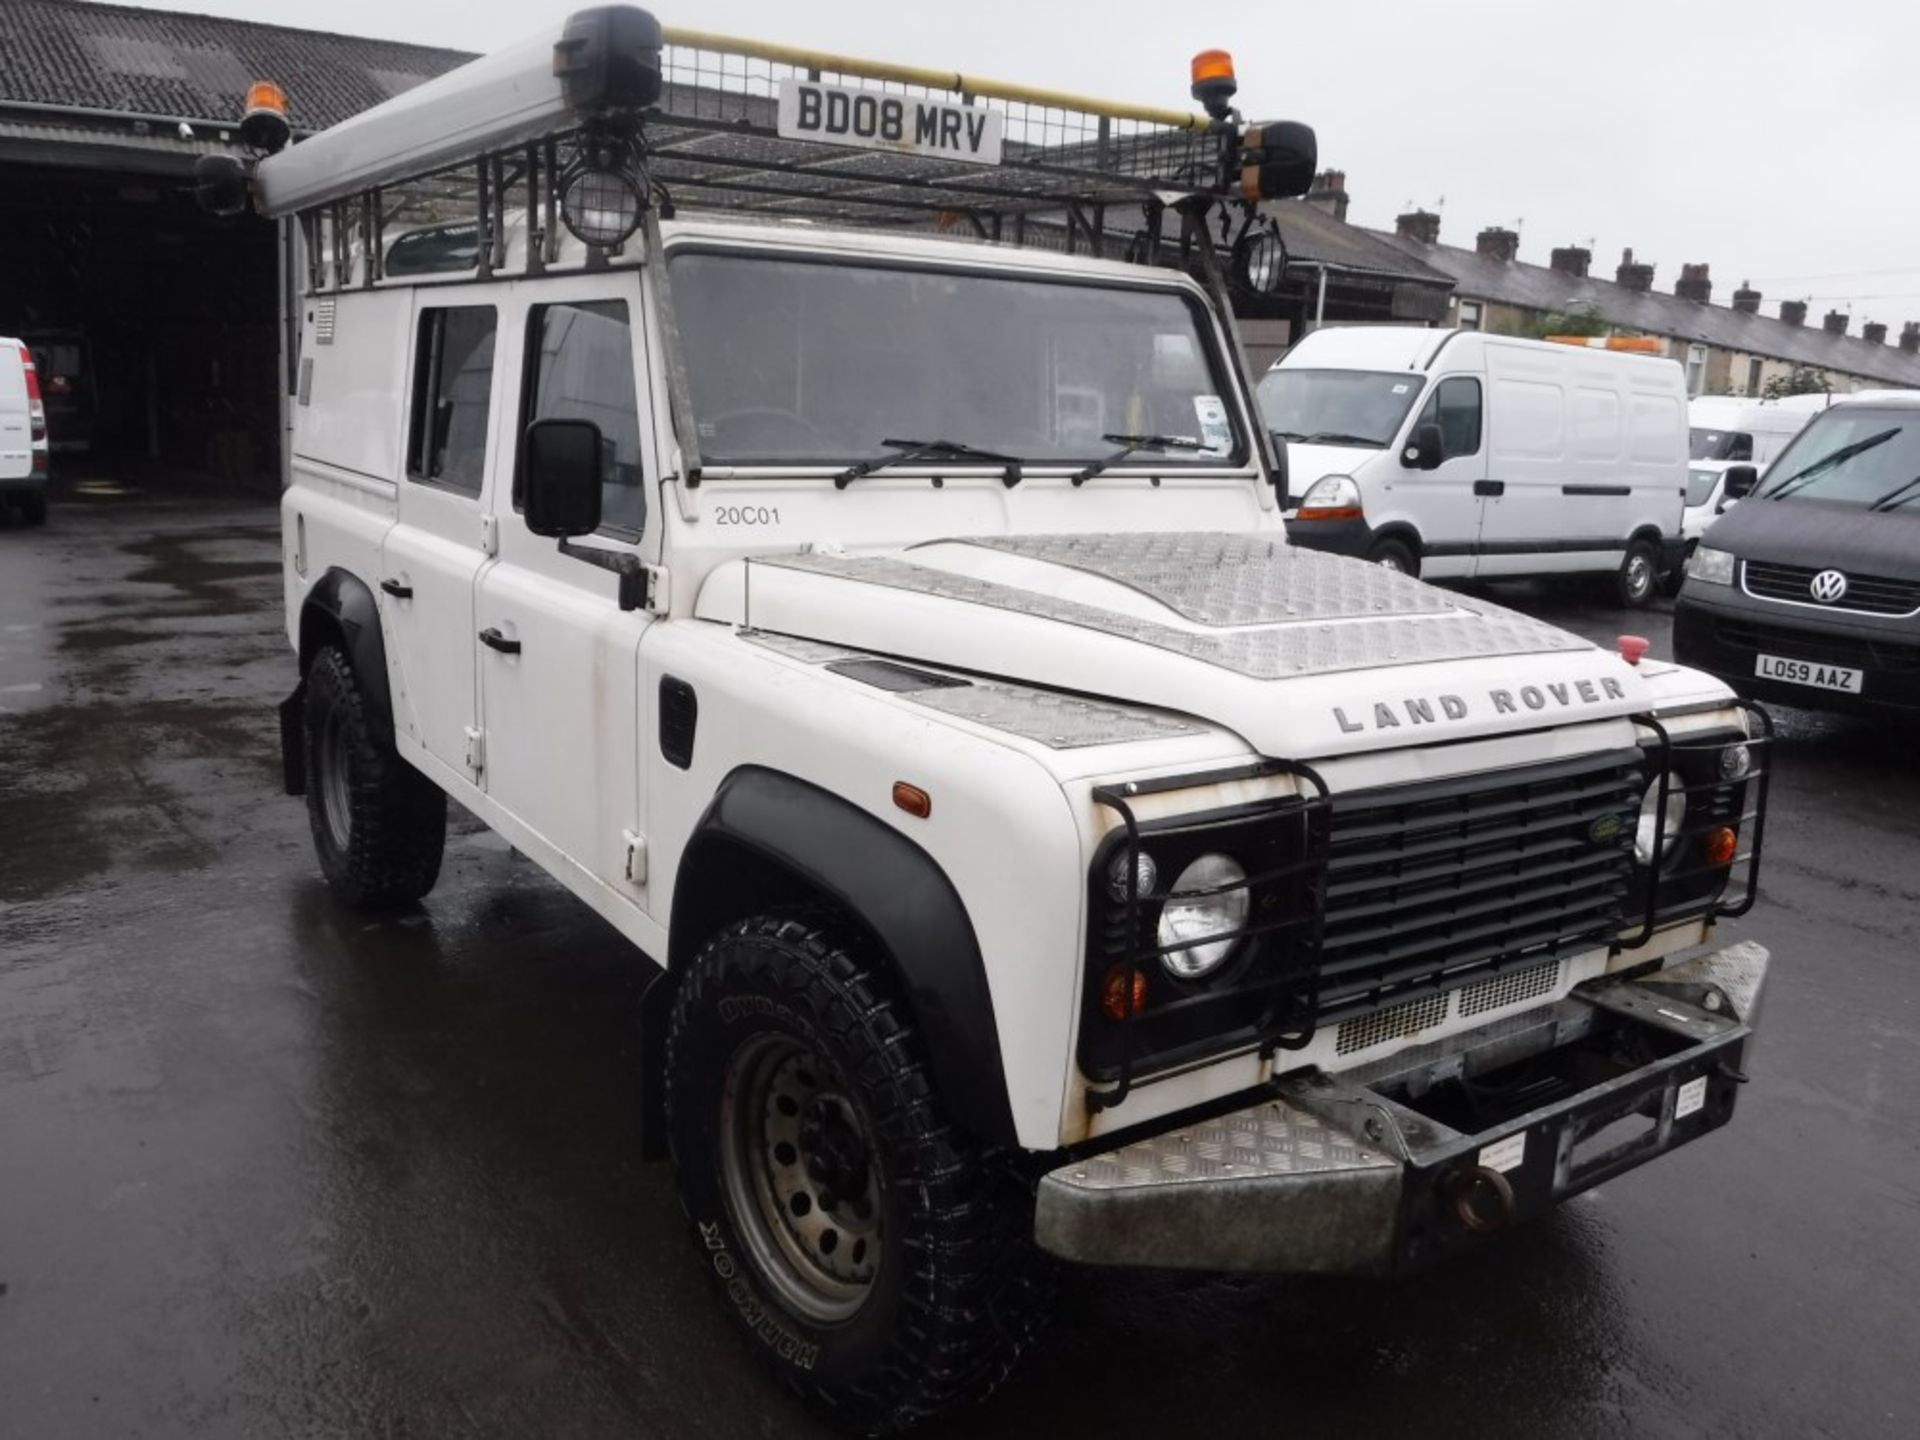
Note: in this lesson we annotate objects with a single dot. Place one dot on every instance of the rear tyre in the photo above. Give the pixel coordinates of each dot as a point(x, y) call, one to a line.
point(1396, 555)
point(379, 826)
point(879, 1260)
point(1639, 579)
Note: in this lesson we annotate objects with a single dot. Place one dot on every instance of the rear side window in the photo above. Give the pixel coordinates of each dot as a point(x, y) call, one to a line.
point(1455, 407)
point(452, 393)
point(580, 367)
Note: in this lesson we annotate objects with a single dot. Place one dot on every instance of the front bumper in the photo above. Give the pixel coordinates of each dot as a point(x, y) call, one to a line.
point(1398, 1165)
point(1723, 631)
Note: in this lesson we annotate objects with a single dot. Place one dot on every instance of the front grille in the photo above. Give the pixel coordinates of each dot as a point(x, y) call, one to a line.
point(1428, 885)
point(1821, 647)
point(1866, 594)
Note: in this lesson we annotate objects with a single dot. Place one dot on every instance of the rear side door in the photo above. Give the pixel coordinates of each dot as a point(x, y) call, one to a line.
point(433, 553)
point(1445, 503)
point(559, 659)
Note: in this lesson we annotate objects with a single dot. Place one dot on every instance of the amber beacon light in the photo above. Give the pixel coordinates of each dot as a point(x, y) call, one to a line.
point(263, 124)
point(1213, 82)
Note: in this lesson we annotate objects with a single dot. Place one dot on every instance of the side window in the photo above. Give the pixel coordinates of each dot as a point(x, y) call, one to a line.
point(580, 367)
point(1740, 446)
point(1455, 407)
point(452, 390)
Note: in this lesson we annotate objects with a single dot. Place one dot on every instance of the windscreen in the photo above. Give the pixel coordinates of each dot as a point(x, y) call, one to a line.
point(1850, 456)
point(804, 362)
point(1337, 407)
point(1705, 444)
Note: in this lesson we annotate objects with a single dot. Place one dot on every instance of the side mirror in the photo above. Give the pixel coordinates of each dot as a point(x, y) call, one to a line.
point(1739, 481)
point(560, 468)
point(1424, 448)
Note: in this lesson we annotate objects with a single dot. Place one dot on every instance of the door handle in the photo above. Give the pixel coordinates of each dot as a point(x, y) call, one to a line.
point(1490, 488)
point(397, 590)
point(494, 640)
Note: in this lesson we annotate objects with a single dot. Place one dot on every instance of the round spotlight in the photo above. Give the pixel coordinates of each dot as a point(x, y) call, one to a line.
point(1736, 762)
point(601, 206)
point(1259, 260)
point(1665, 824)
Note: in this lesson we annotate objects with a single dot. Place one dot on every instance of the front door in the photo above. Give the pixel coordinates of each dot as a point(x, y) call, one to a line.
point(559, 660)
point(431, 556)
point(1446, 502)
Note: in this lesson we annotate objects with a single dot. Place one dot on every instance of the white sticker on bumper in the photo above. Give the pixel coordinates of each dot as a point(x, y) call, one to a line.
point(1505, 1155)
point(1692, 1096)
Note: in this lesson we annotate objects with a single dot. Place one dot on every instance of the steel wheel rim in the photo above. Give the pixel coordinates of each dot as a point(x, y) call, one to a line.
point(797, 1166)
point(1639, 575)
point(335, 792)
point(1391, 562)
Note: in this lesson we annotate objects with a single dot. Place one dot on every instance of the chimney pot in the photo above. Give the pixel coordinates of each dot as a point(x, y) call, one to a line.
point(1329, 193)
point(1421, 225)
point(1571, 260)
point(1874, 333)
point(1910, 337)
point(1746, 299)
point(1836, 322)
point(1793, 312)
point(1633, 275)
point(1496, 243)
point(1694, 284)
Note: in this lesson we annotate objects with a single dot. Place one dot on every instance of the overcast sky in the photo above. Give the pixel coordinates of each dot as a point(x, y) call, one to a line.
point(1756, 136)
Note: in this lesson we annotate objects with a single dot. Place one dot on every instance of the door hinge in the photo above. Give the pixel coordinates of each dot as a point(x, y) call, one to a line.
point(489, 535)
point(636, 857)
point(659, 589)
point(476, 750)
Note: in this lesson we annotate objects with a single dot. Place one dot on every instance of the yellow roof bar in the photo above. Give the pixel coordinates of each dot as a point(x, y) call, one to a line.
point(933, 79)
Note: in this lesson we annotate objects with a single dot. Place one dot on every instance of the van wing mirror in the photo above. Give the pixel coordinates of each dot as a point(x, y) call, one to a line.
point(560, 469)
point(1739, 482)
point(1279, 463)
point(1424, 448)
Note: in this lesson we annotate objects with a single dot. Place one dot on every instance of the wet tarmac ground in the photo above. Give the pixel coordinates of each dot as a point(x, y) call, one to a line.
point(271, 1169)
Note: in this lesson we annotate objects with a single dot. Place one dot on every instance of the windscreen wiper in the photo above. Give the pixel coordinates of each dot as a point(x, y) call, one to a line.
point(1334, 437)
point(931, 450)
point(1897, 496)
point(1827, 462)
point(1131, 443)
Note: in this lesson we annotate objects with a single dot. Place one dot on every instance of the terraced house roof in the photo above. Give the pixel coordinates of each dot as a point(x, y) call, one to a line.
point(1539, 287)
point(66, 55)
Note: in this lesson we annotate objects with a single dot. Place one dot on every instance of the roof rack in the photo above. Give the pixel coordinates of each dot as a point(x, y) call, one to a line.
point(694, 120)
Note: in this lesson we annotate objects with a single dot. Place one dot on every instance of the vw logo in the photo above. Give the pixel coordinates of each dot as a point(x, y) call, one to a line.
point(1828, 586)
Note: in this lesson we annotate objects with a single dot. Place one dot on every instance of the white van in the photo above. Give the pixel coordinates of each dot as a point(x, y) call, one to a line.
point(23, 434)
point(1727, 430)
point(1454, 453)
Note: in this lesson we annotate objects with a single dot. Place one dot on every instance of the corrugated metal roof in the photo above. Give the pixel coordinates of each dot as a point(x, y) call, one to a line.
point(196, 67)
point(1537, 287)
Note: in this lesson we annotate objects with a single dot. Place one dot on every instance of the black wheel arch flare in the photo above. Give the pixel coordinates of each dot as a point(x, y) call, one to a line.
point(829, 848)
point(340, 607)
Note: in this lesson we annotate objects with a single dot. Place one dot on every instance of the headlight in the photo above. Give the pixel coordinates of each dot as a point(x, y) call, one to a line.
point(1711, 567)
point(1736, 762)
point(1331, 497)
point(1191, 915)
point(1676, 814)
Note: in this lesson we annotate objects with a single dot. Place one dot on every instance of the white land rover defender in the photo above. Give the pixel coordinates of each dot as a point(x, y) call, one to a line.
point(1040, 858)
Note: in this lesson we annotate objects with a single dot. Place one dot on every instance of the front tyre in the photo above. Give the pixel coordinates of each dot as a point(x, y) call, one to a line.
point(1395, 555)
point(379, 826)
point(878, 1259)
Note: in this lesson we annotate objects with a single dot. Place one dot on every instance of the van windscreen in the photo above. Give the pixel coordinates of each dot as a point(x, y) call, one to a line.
point(1337, 407)
point(802, 362)
point(1852, 455)
point(1705, 444)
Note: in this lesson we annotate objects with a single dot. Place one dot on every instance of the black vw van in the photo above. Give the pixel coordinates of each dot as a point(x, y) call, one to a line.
point(1808, 591)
